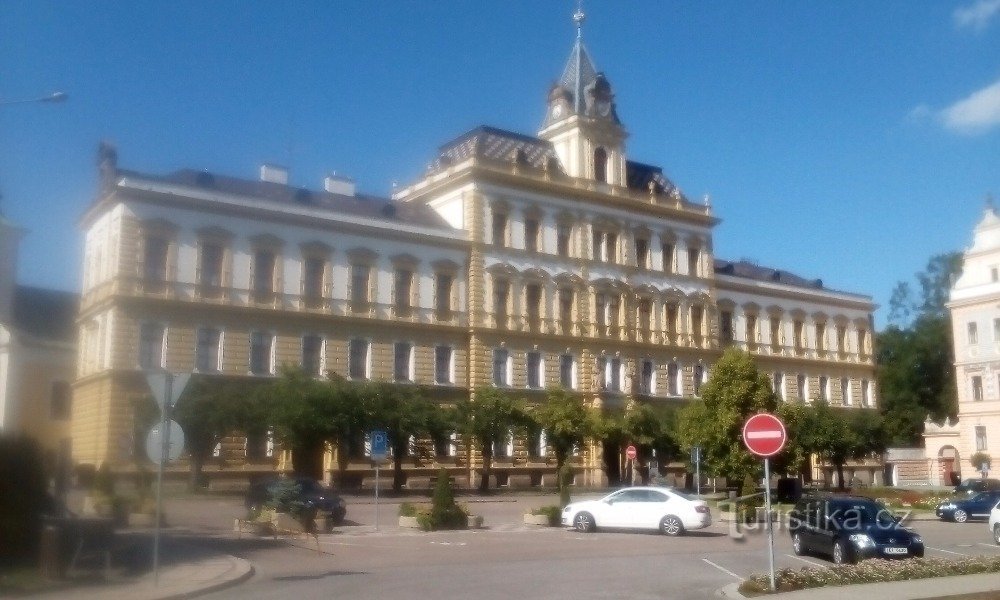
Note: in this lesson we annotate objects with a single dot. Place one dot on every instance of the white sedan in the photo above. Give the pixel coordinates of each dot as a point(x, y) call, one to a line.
point(995, 523)
point(665, 509)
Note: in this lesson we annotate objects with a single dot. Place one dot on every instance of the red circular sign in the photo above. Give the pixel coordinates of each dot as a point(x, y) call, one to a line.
point(630, 452)
point(764, 434)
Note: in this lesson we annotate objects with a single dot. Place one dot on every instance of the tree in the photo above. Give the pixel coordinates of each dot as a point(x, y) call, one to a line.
point(304, 412)
point(403, 413)
point(488, 419)
point(735, 390)
point(650, 429)
point(567, 424)
point(837, 435)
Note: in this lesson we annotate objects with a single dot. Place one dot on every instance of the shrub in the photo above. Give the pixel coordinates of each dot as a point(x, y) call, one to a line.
point(22, 503)
point(554, 514)
point(407, 509)
point(444, 513)
point(285, 496)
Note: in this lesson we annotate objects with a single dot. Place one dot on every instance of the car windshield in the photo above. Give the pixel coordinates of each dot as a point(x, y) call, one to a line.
point(865, 514)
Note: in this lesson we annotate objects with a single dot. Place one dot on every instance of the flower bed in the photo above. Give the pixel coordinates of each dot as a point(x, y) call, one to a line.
point(869, 571)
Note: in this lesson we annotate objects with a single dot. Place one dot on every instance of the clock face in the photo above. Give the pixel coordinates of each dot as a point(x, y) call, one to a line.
point(604, 108)
point(557, 110)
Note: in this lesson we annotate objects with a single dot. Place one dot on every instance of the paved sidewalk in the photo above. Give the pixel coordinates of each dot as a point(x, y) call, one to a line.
point(914, 589)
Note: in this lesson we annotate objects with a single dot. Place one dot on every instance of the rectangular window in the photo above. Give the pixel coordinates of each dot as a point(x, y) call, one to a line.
point(994, 275)
point(499, 229)
point(566, 311)
point(312, 354)
point(775, 332)
point(645, 318)
point(673, 379)
point(402, 291)
point(597, 245)
point(154, 266)
point(821, 336)
point(563, 236)
point(699, 378)
point(973, 333)
point(694, 256)
point(313, 269)
point(500, 360)
point(534, 367)
point(824, 388)
point(501, 296)
point(798, 334)
point(845, 391)
point(601, 306)
point(533, 305)
point(726, 325)
point(996, 330)
point(566, 371)
point(751, 331)
point(531, 228)
point(611, 248)
point(866, 393)
point(671, 321)
point(357, 359)
point(668, 258)
point(403, 353)
point(263, 274)
point(210, 268)
point(443, 289)
point(862, 341)
point(642, 253)
point(778, 384)
point(151, 340)
point(360, 278)
point(841, 338)
point(442, 364)
point(696, 322)
point(615, 375)
point(646, 378)
point(800, 383)
point(59, 403)
point(208, 350)
point(260, 353)
point(977, 388)
point(981, 445)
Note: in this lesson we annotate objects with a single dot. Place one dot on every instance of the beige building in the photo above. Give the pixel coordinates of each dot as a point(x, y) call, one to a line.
point(975, 321)
point(37, 355)
point(516, 261)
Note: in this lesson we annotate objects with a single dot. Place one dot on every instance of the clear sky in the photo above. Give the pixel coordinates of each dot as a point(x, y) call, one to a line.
point(847, 140)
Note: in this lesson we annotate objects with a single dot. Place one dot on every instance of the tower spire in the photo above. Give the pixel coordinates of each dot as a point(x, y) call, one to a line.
point(579, 17)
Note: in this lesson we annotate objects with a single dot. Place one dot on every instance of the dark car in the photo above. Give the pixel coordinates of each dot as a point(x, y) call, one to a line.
point(961, 510)
point(849, 529)
point(309, 491)
point(972, 486)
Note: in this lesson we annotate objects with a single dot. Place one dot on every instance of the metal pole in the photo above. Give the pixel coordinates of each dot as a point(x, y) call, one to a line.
point(767, 519)
point(376, 495)
point(164, 445)
point(697, 470)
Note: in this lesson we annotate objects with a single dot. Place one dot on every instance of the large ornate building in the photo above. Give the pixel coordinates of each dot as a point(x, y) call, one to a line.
point(974, 303)
point(516, 261)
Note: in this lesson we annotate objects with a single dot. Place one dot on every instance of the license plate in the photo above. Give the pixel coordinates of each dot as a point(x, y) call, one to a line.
point(892, 550)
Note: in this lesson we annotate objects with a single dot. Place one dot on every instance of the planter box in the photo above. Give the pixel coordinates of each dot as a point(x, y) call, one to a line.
point(475, 521)
point(409, 522)
point(530, 519)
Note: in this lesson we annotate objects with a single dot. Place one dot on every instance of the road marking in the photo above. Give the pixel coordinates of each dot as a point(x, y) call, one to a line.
point(947, 551)
point(724, 570)
point(815, 564)
point(992, 546)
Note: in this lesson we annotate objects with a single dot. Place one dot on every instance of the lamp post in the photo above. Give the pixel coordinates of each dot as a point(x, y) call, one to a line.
point(53, 98)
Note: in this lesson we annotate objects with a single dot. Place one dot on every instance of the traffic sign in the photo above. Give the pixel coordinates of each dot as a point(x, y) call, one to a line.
point(157, 381)
point(380, 445)
point(764, 434)
point(630, 452)
point(154, 443)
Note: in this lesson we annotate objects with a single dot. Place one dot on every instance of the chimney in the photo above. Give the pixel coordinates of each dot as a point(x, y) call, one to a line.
point(274, 174)
point(336, 184)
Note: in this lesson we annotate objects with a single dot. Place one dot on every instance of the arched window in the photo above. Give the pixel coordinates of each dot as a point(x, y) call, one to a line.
point(601, 165)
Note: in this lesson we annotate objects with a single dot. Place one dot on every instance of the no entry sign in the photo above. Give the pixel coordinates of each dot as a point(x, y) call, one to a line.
point(764, 434)
point(630, 452)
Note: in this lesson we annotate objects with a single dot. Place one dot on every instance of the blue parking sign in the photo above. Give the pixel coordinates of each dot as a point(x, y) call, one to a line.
point(380, 445)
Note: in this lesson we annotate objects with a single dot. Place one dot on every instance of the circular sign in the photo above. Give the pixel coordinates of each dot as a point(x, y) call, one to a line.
point(154, 443)
point(630, 452)
point(764, 434)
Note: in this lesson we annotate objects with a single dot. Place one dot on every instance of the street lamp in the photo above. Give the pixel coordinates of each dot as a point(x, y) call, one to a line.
point(53, 97)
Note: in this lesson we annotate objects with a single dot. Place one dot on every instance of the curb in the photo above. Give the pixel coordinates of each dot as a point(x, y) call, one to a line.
point(244, 570)
point(730, 591)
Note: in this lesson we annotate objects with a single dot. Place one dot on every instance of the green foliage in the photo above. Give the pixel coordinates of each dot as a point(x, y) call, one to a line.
point(401, 411)
point(285, 496)
point(978, 459)
point(445, 512)
point(23, 500)
point(837, 435)
point(407, 509)
point(552, 512)
point(567, 423)
point(735, 390)
point(487, 420)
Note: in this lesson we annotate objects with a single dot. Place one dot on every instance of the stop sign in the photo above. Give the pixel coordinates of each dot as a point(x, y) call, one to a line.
point(764, 434)
point(630, 452)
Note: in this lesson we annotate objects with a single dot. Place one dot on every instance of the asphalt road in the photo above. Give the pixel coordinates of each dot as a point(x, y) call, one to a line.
point(512, 560)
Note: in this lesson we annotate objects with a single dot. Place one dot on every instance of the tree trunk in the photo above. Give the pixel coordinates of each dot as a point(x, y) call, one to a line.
point(484, 482)
point(196, 462)
point(840, 474)
point(307, 461)
point(398, 478)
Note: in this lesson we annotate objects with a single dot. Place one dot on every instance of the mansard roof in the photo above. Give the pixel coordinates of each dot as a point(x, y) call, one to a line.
point(46, 314)
point(638, 177)
point(749, 270)
point(362, 205)
point(496, 144)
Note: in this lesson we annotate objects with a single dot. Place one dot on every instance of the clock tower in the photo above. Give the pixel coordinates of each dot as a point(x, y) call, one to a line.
point(581, 120)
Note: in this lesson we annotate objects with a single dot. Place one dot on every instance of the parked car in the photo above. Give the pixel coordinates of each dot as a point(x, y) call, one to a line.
point(972, 486)
point(849, 529)
point(995, 523)
point(961, 509)
point(666, 509)
point(310, 492)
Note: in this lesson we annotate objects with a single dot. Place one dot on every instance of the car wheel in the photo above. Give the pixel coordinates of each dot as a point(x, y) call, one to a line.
point(961, 516)
point(996, 533)
point(797, 544)
point(840, 556)
point(584, 523)
point(671, 525)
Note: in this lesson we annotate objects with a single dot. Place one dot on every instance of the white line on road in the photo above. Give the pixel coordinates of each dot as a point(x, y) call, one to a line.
point(947, 551)
point(815, 564)
point(993, 546)
point(724, 570)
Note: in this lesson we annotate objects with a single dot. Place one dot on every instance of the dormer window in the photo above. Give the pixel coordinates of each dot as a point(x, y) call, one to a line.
point(601, 165)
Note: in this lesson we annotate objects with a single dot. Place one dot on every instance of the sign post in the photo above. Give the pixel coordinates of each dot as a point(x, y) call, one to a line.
point(630, 454)
point(696, 459)
point(380, 449)
point(166, 388)
point(764, 435)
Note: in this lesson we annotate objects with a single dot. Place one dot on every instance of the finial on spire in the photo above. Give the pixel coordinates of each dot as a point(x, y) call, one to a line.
point(579, 17)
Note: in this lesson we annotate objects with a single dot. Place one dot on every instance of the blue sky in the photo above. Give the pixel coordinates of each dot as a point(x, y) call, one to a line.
point(846, 140)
